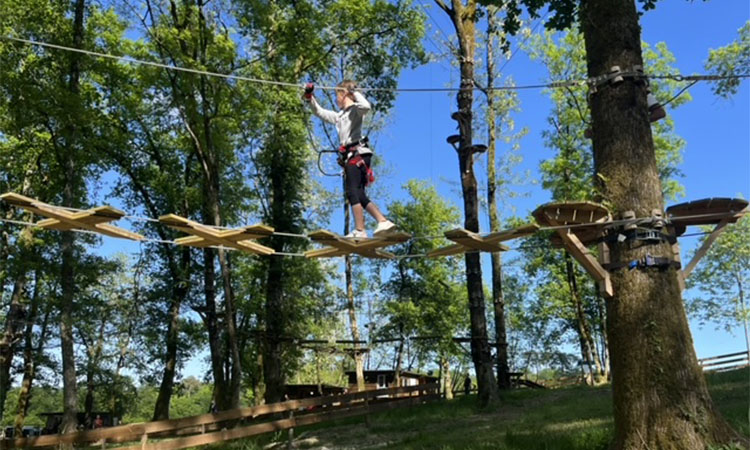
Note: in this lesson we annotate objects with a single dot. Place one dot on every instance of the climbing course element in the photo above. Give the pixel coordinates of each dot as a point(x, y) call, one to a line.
point(61, 219)
point(708, 211)
point(207, 236)
point(367, 247)
point(587, 220)
point(467, 241)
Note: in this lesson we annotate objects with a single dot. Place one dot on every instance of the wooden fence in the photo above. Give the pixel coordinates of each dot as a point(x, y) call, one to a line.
point(724, 363)
point(237, 423)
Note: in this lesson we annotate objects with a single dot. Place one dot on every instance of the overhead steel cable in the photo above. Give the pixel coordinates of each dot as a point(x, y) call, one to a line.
point(594, 81)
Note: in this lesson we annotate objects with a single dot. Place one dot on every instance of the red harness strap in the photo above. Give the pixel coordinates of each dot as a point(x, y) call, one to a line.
point(357, 160)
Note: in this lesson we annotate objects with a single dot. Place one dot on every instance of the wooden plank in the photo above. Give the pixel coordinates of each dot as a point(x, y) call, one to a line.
point(100, 214)
point(277, 425)
point(232, 238)
point(257, 231)
point(710, 210)
point(729, 355)
point(368, 247)
point(193, 241)
point(453, 249)
point(571, 213)
point(282, 424)
point(325, 252)
point(474, 241)
point(131, 432)
point(512, 233)
point(61, 219)
point(704, 247)
point(586, 259)
point(671, 229)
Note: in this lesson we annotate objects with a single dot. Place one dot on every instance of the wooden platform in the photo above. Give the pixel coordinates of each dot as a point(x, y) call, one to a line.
point(467, 241)
point(57, 218)
point(338, 245)
point(589, 219)
point(707, 211)
point(592, 214)
point(207, 236)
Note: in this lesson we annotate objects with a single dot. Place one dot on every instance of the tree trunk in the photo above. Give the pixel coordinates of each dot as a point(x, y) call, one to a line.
point(463, 18)
point(498, 303)
point(603, 341)
point(70, 389)
point(161, 409)
point(588, 350)
point(93, 363)
point(359, 362)
point(210, 163)
point(399, 362)
point(273, 374)
point(10, 334)
point(210, 318)
point(30, 355)
point(660, 396)
point(445, 368)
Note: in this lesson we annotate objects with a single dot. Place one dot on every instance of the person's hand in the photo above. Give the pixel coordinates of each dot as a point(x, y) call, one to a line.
point(309, 87)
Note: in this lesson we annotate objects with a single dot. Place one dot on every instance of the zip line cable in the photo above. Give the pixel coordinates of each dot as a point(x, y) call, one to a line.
point(595, 81)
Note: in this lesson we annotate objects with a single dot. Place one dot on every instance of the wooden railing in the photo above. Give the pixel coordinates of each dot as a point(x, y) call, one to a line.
point(234, 424)
point(724, 362)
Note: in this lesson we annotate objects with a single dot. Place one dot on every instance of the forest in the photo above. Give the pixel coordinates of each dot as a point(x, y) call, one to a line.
point(195, 108)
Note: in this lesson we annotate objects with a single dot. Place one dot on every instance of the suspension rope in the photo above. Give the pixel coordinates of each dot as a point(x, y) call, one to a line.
point(593, 81)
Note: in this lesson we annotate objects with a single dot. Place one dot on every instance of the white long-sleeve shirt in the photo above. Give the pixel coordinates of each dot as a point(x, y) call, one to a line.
point(348, 121)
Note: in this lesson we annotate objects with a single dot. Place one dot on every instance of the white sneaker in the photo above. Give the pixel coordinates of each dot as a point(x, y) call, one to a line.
point(357, 234)
point(384, 227)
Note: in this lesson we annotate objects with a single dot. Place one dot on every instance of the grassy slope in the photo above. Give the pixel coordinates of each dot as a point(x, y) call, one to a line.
point(563, 419)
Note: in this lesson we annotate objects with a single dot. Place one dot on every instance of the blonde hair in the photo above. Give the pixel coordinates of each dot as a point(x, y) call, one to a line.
point(346, 86)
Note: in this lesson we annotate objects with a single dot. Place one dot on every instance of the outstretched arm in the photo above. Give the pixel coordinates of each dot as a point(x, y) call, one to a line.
point(325, 114)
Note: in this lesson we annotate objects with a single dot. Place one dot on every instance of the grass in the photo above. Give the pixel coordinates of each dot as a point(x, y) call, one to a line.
point(574, 418)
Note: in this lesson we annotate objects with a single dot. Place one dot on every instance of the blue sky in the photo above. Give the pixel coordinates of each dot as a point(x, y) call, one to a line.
point(717, 131)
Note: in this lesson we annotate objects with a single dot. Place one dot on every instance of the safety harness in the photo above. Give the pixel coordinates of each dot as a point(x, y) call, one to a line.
point(348, 155)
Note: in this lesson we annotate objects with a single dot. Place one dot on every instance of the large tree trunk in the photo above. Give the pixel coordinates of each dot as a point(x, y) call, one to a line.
point(273, 374)
point(498, 303)
point(210, 163)
point(70, 389)
point(660, 396)
point(463, 20)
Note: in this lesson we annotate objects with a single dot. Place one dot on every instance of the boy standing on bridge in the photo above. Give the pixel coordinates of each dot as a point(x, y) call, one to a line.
point(354, 154)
